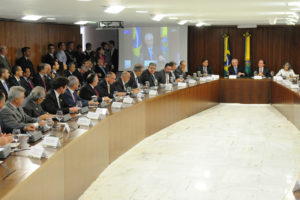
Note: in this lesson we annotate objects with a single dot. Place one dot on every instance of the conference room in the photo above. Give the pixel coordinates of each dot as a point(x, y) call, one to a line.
point(136, 100)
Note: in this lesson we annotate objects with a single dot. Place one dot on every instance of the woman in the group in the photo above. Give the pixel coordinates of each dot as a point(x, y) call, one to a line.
point(286, 71)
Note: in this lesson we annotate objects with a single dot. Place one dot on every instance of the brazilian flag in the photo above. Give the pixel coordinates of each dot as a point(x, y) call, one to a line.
point(247, 54)
point(137, 41)
point(227, 57)
point(164, 41)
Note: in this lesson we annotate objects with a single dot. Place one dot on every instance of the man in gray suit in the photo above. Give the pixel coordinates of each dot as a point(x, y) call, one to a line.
point(13, 114)
point(3, 60)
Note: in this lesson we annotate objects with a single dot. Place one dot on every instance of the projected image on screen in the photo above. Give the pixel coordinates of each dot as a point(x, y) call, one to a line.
point(155, 44)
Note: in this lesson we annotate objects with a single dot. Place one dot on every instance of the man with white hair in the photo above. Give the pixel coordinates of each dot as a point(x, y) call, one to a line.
point(121, 84)
point(13, 114)
point(4, 63)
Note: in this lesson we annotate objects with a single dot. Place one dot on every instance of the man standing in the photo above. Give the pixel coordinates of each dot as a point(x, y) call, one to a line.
point(3, 59)
point(25, 61)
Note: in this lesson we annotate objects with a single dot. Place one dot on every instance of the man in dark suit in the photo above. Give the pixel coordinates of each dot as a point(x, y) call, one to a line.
point(32, 104)
point(40, 79)
point(235, 69)
point(70, 96)
point(3, 127)
point(204, 68)
point(262, 70)
point(149, 75)
point(79, 55)
point(89, 89)
point(71, 69)
point(180, 71)
point(121, 84)
point(114, 54)
point(135, 76)
point(26, 82)
point(50, 58)
point(164, 75)
point(79, 73)
point(54, 100)
point(3, 59)
point(15, 79)
point(151, 52)
point(25, 61)
point(105, 86)
point(100, 69)
point(4, 75)
point(88, 53)
point(70, 53)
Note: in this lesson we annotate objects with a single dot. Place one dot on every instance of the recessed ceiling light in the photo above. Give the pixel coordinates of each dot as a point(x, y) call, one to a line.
point(31, 17)
point(173, 18)
point(51, 18)
point(200, 24)
point(294, 4)
point(141, 11)
point(158, 17)
point(182, 22)
point(114, 9)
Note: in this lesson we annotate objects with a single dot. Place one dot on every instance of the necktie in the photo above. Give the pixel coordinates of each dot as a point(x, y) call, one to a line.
point(167, 78)
point(74, 96)
point(260, 70)
point(44, 83)
point(235, 70)
point(58, 102)
point(5, 87)
point(137, 81)
point(108, 89)
point(28, 81)
point(150, 53)
point(96, 92)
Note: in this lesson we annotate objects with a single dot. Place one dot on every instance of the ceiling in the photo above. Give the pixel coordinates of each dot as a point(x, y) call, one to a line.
point(213, 12)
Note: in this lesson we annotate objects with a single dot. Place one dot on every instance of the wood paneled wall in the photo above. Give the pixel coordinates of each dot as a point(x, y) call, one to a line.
point(275, 44)
point(16, 35)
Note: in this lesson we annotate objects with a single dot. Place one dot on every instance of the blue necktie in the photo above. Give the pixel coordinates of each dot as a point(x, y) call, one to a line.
point(235, 69)
point(150, 53)
point(5, 86)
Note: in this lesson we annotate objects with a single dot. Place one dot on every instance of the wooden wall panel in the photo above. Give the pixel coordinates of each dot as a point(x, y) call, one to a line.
point(275, 44)
point(16, 35)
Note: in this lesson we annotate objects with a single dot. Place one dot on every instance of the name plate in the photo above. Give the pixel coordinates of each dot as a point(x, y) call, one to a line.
point(209, 78)
point(257, 77)
point(102, 111)
point(203, 79)
point(182, 84)
point(37, 152)
point(93, 115)
point(128, 100)
point(232, 76)
point(83, 121)
point(140, 95)
point(192, 82)
point(294, 86)
point(216, 77)
point(169, 87)
point(153, 92)
point(51, 141)
point(116, 105)
point(286, 82)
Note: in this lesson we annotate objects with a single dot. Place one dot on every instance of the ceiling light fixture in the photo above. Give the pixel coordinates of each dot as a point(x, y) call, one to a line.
point(31, 17)
point(141, 11)
point(294, 4)
point(173, 18)
point(114, 9)
point(182, 22)
point(200, 24)
point(51, 18)
point(84, 0)
point(84, 22)
point(158, 17)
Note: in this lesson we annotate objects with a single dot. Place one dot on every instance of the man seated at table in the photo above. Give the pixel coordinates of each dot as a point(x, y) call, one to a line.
point(89, 89)
point(17, 75)
point(54, 100)
point(3, 128)
point(180, 71)
point(164, 75)
point(205, 68)
point(32, 103)
point(13, 114)
point(70, 96)
point(235, 69)
point(149, 75)
point(262, 70)
point(135, 76)
point(105, 86)
point(26, 81)
point(121, 84)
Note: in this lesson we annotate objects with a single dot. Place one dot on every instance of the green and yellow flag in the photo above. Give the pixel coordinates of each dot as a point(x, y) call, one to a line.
point(227, 58)
point(247, 54)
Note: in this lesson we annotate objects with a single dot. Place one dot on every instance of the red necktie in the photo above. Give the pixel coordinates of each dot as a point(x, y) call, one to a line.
point(96, 92)
point(30, 84)
point(74, 96)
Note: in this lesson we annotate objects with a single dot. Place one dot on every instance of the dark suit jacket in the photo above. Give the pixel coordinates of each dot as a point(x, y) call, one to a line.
point(70, 56)
point(100, 71)
point(49, 59)
point(2, 88)
point(68, 97)
point(68, 73)
point(86, 92)
point(79, 76)
point(50, 104)
point(4, 128)
point(178, 71)
point(12, 81)
point(161, 77)
point(132, 82)
point(118, 86)
point(266, 71)
point(115, 60)
point(4, 63)
point(103, 89)
point(209, 70)
point(31, 108)
point(25, 63)
point(239, 69)
point(79, 58)
point(146, 76)
point(27, 86)
point(38, 81)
